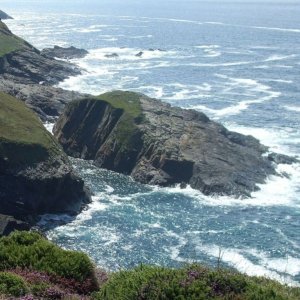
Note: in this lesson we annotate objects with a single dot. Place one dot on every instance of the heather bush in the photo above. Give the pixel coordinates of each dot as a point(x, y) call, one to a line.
point(31, 250)
point(12, 285)
point(191, 283)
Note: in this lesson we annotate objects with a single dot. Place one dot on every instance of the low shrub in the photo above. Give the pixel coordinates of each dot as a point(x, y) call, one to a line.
point(29, 250)
point(12, 285)
point(194, 282)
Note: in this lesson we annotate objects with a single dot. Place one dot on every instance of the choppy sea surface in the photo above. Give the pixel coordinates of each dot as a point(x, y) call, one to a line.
point(239, 62)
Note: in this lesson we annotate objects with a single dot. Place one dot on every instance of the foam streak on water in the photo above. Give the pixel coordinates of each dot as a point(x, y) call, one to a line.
point(242, 72)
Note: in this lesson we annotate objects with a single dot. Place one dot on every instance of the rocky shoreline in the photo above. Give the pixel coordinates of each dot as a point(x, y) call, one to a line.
point(126, 132)
point(36, 177)
point(158, 144)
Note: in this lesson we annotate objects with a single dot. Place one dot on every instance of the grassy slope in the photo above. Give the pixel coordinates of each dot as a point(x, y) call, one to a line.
point(129, 102)
point(8, 41)
point(23, 138)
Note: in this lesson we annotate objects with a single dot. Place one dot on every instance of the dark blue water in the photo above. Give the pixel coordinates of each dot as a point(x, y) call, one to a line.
point(236, 61)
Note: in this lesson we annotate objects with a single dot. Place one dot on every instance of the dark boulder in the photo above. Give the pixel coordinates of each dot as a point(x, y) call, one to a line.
point(111, 55)
point(64, 53)
point(140, 54)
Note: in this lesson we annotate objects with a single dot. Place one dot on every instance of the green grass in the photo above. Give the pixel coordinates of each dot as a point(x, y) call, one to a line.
point(23, 138)
point(8, 41)
point(129, 102)
point(193, 282)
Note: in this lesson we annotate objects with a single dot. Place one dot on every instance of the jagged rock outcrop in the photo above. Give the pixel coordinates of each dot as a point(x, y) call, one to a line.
point(159, 144)
point(28, 75)
point(4, 16)
point(36, 176)
point(64, 53)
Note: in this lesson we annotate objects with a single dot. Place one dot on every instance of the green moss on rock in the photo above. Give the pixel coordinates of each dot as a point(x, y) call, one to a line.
point(23, 138)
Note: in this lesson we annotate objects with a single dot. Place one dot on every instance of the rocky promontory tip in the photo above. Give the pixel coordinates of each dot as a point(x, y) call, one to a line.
point(4, 16)
point(158, 144)
point(28, 75)
point(64, 53)
point(36, 176)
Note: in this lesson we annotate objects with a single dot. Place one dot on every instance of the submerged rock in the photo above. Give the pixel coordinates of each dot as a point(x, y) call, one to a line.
point(66, 53)
point(140, 54)
point(36, 176)
point(111, 55)
point(158, 144)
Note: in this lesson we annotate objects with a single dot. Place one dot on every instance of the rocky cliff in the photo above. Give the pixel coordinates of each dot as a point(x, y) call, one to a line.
point(159, 144)
point(36, 176)
point(29, 75)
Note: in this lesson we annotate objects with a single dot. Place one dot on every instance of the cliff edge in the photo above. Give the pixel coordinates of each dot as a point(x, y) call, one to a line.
point(36, 177)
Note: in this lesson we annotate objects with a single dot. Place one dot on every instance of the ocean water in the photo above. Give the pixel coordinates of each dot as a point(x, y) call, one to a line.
point(237, 61)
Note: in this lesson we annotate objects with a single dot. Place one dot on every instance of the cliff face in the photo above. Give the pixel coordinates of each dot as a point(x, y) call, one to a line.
point(28, 75)
point(159, 144)
point(35, 175)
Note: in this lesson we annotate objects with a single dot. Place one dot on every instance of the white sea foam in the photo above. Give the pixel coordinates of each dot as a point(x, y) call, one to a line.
point(225, 64)
point(126, 54)
point(267, 266)
point(277, 139)
point(294, 30)
point(95, 206)
point(252, 86)
point(292, 108)
point(87, 30)
point(288, 265)
point(49, 126)
point(152, 91)
point(277, 57)
point(279, 80)
point(291, 30)
point(140, 37)
point(210, 50)
point(180, 91)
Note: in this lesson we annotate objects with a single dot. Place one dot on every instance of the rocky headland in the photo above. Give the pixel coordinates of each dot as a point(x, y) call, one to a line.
point(36, 176)
point(159, 144)
point(4, 16)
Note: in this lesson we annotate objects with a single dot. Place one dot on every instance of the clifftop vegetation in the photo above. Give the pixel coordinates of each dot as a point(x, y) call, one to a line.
point(8, 41)
point(20, 128)
point(33, 268)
